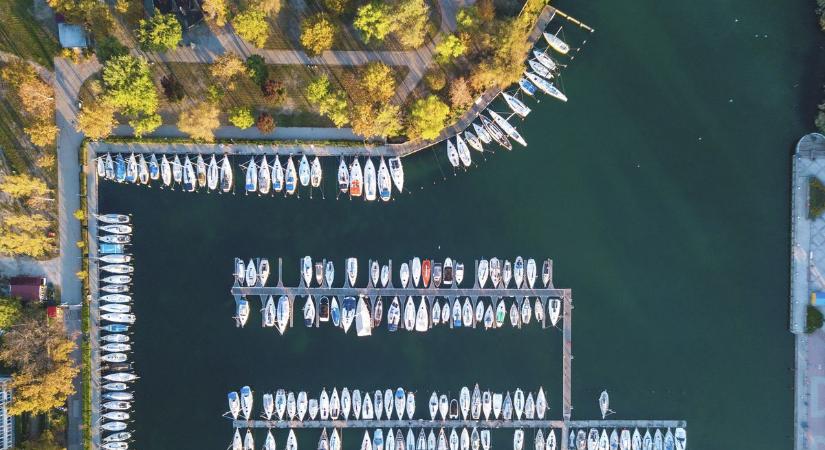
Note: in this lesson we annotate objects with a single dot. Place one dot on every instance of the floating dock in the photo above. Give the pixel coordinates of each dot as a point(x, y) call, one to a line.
point(424, 423)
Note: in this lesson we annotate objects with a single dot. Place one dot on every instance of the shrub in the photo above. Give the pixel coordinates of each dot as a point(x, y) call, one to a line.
point(273, 91)
point(435, 79)
point(241, 117)
point(816, 198)
point(257, 70)
point(172, 88)
point(813, 320)
point(265, 122)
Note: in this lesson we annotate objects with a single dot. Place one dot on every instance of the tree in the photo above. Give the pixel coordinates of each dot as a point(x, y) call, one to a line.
point(96, 120)
point(428, 117)
point(273, 91)
point(449, 49)
point(369, 120)
point(23, 186)
point(486, 10)
point(241, 117)
point(318, 89)
point(35, 96)
point(25, 234)
point(128, 85)
point(227, 68)
point(378, 81)
point(460, 95)
point(467, 18)
point(256, 68)
point(146, 124)
point(161, 32)
point(318, 33)
point(251, 25)
point(435, 78)
point(10, 312)
point(374, 21)
point(46, 441)
point(199, 121)
point(41, 354)
point(813, 319)
point(337, 7)
point(265, 122)
point(269, 7)
point(411, 20)
point(215, 11)
point(331, 103)
point(108, 47)
point(42, 133)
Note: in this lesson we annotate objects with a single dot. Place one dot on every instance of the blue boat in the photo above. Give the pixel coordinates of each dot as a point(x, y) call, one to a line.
point(348, 312)
point(110, 248)
point(457, 315)
point(154, 168)
point(116, 328)
point(335, 312)
point(120, 168)
point(527, 87)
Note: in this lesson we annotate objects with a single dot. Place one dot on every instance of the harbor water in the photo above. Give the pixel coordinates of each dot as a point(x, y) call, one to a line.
point(660, 191)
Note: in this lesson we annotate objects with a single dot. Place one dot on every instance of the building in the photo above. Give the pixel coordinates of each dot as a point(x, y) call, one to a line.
point(6, 420)
point(32, 289)
point(72, 36)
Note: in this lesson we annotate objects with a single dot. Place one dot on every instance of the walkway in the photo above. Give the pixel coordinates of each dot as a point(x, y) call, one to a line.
point(807, 267)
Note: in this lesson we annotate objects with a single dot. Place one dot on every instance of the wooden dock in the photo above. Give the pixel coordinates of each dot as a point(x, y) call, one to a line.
point(457, 423)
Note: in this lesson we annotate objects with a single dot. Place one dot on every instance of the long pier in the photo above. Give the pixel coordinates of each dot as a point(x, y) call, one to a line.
point(424, 423)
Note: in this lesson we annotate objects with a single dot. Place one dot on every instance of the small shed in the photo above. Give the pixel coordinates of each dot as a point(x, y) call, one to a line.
point(72, 36)
point(31, 289)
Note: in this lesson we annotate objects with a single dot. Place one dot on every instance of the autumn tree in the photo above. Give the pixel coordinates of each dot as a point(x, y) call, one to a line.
point(449, 49)
point(467, 19)
point(200, 121)
point(42, 133)
point(378, 81)
point(318, 33)
point(146, 124)
point(161, 32)
point(374, 21)
point(486, 10)
point(216, 11)
point(411, 21)
point(460, 95)
point(337, 7)
point(227, 68)
point(330, 102)
point(380, 120)
point(41, 355)
point(435, 78)
point(251, 25)
point(268, 7)
point(10, 312)
point(25, 234)
point(23, 186)
point(128, 85)
point(273, 91)
point(35, 96)
point(241, 117)
point(427, 117)
point(96, 120)
point(265, 122)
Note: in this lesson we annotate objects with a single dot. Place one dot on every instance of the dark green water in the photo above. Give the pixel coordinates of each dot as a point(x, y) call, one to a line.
point(660, 191)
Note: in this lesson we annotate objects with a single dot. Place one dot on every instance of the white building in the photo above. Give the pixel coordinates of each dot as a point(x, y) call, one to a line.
point(6, 421)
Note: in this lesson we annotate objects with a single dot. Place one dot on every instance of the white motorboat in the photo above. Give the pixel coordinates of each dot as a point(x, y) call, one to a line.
point(443, 406)
point(242, 312)
point(251, 273)
point(264, 177)
point(409, 314)
point(297, 407)
point(101, 165)
point(433, 405)
point(518, 272)
point(118, 318)
point(556, 43)
point(393, 315)
point(375, 273)
point(329, 273)
point(507, 128)
point(526, 311)
point(506, 274)
point(515, 316)
point(546, 272)
point(436, 312)
point(348, 312)
point(367, 412)
point(306, 270)
point(404, 274)
point(356, 404)
point(479, 315)
point(113, 218)
point(384, 182)
point(378, 403)
point(421, 317)
point(323, 405)
point(117, 279)
point(291, 180)
point(680, 436)
point(378, 312)
point(489, 317)
point(495, 272)
point(473, 141)
point(475, 403)
point(452, 154)
point(114, 338)
point(282, 314)
point(483, 272)
point(507, 407)
point(291, 441)
point(541, 404)
point(400, 402)
point(280, 403)
point(531, 272)
point(486, 404)
point(464, 401)
point(304, 171)
point(263, 270)
point(363, 321)
point(463, 151)
point(251, 182)
point(467, 313)
point(269, 406)
point(352, 270)
point(604, 403)
point(315, 173)
point(246, 401)
point(114, 426)
point(456, 312)
point(116, 258)
point(115, 357)
point(343, 176)
point(416, 270)
point(240, 270)
point(346, 403)
point(385, 275)
point(122, 377)
point(516, 105)
point(370, 181)
point(117, 228)
point(356, 179)
point(397, 173)
point(277, 176)
point(518, 440)
point(545, 86)
point(554, 310)
point(116, 347)
point(530, 408)
point(309, 312)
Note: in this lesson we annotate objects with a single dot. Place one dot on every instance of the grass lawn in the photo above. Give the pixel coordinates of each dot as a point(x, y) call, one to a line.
point(293, 111)
point(23, 36)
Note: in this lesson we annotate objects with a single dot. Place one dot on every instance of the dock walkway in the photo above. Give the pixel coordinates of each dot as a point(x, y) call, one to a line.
point(424, 423)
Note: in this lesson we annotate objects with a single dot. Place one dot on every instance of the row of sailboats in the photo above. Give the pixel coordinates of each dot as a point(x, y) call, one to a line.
point(263, 176)
point(115, 305)
point(370, 182)
point(595, 439)
point(168, 170)
point(424, 273)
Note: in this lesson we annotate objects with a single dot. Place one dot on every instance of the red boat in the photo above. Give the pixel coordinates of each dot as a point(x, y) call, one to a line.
point(426, 267)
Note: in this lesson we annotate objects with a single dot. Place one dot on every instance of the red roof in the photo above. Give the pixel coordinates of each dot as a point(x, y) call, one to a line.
point(28, 288)
point(51, 311)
